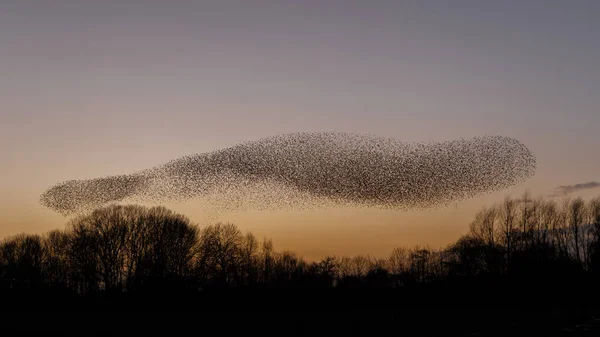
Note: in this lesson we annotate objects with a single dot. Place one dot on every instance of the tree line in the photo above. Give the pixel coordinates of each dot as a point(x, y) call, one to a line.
point(516, 244)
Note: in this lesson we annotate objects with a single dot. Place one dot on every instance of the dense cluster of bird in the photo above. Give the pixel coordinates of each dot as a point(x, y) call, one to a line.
point(299, 170)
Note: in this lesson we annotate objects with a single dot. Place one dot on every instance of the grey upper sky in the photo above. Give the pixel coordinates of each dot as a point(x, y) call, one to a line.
point(92, 88)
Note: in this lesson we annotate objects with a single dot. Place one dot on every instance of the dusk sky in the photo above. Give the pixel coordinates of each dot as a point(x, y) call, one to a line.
point(96, 88)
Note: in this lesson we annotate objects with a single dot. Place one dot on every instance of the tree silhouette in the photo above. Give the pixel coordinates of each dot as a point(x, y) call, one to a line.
point(121, 256)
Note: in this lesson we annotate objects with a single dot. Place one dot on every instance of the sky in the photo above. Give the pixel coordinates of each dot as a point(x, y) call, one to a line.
point(97, 88)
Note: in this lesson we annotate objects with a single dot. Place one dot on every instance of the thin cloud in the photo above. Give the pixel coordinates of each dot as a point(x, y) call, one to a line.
point(567, 189)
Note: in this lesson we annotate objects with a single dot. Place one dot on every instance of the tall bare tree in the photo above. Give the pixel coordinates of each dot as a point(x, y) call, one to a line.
point(576, 218)
point(508, 216)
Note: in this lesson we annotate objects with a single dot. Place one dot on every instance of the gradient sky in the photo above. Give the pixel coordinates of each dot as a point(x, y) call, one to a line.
point(95, 88)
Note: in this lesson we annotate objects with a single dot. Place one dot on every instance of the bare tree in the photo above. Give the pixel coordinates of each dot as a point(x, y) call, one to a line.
point(326, 271)
point(398, 260)
point(360, 265)
point(548, 220)
point(489, 226)
point(221, 252)
point(526, 214)
point(56, 267)
point(419, 262)
point(250, 259)
point(594, 245)
point(508, 215)
point(594, 217)
point(118, 247)
point(357, 266)
point(561, 229)
point(267, 260)
point(476, 226)
point(288, 266)
point(576, 217)
point(22, 257)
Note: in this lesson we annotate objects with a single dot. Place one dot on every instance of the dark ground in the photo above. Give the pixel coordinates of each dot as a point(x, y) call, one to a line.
point(449, 321)
point(308, 313)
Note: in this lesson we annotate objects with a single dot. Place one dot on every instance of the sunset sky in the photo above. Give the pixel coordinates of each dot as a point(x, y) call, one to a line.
point(97, 88)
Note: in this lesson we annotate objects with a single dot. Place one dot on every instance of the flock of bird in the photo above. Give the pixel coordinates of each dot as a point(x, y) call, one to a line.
point(307, 170)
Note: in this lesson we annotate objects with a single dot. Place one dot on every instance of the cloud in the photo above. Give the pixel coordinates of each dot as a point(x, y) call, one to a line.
point(567, 189)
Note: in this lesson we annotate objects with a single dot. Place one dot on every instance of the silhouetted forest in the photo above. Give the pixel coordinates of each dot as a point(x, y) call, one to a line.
point(522, 251)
